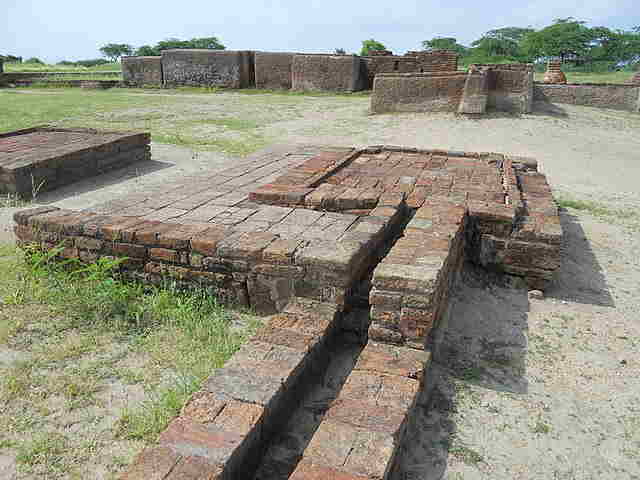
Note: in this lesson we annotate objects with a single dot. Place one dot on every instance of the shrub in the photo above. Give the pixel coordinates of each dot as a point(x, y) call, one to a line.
point(34, 60)
point(92, 62)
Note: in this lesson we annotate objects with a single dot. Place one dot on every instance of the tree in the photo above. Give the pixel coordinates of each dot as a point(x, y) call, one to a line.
point(340, 51)
point(34, 60)
point(371, 45)
point(502, 42)
point(114, 51)
point(444, 43)
point(566, 38)
point(147, 51)
point(209, 43)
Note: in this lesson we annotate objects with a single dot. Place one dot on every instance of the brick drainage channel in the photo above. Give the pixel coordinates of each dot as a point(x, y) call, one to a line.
point(331, 386)
point(284, 451)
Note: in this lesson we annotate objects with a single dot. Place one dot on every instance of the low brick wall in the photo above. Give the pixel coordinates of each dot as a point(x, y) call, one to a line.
point(417, 92)
point(141, 71)
point(339, 73)
point(510, 86)
point(273, 70)
point(212, 68)
point(41, 159)
point(435, 61)
point(617, 97)
point(377, 64)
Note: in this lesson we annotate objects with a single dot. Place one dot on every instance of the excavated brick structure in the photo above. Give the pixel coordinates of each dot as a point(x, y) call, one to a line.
point(435, 61)
point(142, 71)
point(475, 95)
point(635, 80)
point(43, 158)
point(554, 73)
point(301, 230)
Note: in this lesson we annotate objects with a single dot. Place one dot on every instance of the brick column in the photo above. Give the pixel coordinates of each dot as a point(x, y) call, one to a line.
point(554, 74)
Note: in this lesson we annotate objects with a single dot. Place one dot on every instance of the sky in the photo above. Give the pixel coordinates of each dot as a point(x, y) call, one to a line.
point(74, 30)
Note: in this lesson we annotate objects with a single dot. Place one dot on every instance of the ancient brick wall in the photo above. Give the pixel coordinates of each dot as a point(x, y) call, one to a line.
point(273, 70)
point(476, 93)
point(510, 86)
point(435, 61)
point(141, 71)
point(417, 92)
point(328, 72)
point(47, 158)
point(617, 97)
point(387, 64)
point(213, 68)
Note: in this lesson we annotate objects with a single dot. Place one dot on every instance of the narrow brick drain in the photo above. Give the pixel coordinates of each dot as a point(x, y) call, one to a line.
point(286, 449)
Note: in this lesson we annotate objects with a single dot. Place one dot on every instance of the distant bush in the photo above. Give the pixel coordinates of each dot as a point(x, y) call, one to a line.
point(34, 61)
point(10, 59)
point(66, 63)
point(92, 63)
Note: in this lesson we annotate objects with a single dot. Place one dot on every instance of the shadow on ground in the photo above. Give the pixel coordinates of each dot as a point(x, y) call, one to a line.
point(546, 109)
point(106, 179)
point(483, 340)
point(580, 278)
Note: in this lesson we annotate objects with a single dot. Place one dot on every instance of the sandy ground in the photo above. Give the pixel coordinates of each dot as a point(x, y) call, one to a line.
point(540, 389)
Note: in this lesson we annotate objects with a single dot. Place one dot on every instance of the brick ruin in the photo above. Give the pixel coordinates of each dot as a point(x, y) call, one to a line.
point(306, 233)
point(554, 73)
point(140, 71)
point(43, 158)
point(612, 96)
point(336, 73)
point(504, 88)
point(276, 70)
point(210, 68)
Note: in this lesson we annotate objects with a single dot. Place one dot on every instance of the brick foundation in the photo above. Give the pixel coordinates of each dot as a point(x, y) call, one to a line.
point(418, 92)
point(617, 97)
point(341, 73)
point(142, 71)
point(211, 68)
point(299, 231)
point(41, 159)
point(273, 70)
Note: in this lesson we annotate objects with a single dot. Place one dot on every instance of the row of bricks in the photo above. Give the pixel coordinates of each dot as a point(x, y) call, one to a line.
point(365, 426)
point(224, 427)
point(193, 244)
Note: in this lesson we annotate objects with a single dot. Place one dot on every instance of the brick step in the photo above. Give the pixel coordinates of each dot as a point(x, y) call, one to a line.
point(362, 431)
point(224, 428)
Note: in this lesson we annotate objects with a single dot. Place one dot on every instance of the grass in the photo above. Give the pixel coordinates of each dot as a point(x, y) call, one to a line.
point(466, 454)
point(579, 77)
point(78, 331)
point(12, 200)
point(35, 67)
point(628, 217)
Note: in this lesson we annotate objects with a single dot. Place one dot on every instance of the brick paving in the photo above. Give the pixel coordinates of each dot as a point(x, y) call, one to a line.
point(47, 158)
point(299, 231)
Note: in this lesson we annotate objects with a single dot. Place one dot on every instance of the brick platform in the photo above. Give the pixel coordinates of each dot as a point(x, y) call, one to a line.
point(301, 231)
point(40, 159)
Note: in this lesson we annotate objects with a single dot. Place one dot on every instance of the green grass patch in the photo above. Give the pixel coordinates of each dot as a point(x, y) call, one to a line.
point(597, 209)
point(466, 454)
point(580, 77)
point(35, 67)
point(80, 328)
point(230, 146)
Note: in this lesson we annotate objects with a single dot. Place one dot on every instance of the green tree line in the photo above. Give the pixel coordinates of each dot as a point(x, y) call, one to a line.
point(567, 39)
